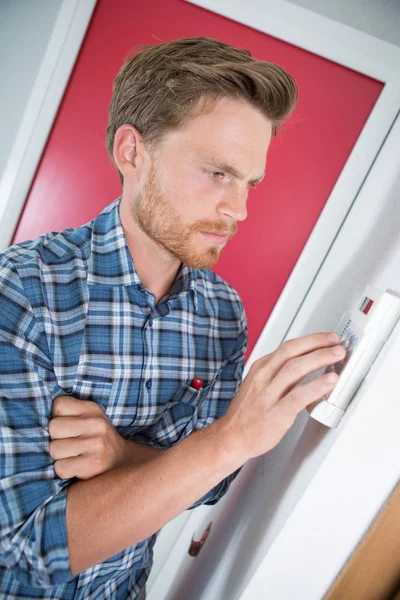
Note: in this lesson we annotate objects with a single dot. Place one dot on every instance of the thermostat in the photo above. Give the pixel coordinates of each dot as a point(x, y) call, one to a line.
point(363, 332)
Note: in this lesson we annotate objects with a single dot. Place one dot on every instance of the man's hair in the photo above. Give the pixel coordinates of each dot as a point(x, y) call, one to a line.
point(159, 88)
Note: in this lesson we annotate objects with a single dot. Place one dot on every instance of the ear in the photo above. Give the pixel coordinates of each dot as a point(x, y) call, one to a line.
point(130, 154)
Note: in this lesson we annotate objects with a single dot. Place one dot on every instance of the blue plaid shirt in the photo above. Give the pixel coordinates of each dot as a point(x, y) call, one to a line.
point(75, 319)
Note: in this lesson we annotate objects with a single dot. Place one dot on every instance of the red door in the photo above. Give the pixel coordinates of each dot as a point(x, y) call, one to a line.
point(75, 179)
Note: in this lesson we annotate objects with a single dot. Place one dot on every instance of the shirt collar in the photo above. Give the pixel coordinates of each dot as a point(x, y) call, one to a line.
point(185, 281)
point(110, 261)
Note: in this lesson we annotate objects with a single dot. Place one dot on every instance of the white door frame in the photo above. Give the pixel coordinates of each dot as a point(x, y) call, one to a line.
point(41, 110)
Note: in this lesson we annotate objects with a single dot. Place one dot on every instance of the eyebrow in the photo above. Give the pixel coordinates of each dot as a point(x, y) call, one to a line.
point(221, 166)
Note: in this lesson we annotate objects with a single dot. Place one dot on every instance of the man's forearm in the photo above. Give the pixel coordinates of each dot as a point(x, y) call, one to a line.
point(122, 507)
point(140, 453)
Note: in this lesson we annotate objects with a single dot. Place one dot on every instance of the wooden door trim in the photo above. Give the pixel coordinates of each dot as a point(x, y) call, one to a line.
point(373, 570)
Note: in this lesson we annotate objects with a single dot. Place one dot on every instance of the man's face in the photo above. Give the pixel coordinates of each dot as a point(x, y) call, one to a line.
point(197, 187)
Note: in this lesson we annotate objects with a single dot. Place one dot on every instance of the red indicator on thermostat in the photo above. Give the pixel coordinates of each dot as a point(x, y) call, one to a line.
point(366, 305)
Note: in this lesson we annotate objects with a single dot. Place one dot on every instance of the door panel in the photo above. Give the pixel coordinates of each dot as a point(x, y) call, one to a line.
point(75, 179)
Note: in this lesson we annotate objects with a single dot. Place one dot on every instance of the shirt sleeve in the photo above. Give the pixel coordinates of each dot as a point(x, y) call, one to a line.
point(33, 533)
point(218, 403)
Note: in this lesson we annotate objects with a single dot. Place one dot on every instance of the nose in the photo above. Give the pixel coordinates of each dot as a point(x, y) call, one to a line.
point(234, 205)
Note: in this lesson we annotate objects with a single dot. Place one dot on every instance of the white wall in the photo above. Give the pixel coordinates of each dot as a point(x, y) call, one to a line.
point(25, 29)
point(264, 517)
point(39, 43)
point(380, 18)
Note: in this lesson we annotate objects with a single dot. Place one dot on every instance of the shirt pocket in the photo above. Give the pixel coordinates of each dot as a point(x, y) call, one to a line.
point(179, 416)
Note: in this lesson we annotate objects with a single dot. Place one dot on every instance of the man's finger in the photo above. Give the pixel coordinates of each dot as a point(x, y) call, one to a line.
point(305, 345)
point(67, 448)
point(303, 395)
point(294, 370)
point(67, 427)
point(66, 468)
point(290, 349)
point(67, 406)
point(78, 466)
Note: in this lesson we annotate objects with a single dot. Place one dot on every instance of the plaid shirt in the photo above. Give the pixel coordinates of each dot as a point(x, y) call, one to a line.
point(75, 319)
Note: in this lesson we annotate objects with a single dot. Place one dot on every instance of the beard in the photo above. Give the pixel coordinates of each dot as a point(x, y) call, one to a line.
point(163, 224)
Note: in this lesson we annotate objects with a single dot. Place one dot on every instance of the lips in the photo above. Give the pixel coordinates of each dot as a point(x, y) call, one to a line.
point(221, 233)
point(216, 237)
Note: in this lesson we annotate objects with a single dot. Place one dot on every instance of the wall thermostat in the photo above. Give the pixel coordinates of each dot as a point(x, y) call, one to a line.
point(363, 332)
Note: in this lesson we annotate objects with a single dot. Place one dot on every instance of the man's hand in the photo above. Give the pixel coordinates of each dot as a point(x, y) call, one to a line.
point(85, 443)
point(269, 398)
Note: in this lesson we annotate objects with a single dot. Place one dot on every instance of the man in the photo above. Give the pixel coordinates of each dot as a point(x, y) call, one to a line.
point(122, 354)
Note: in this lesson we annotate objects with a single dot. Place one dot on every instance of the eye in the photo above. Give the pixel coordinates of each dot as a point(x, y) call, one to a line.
point(216, 175)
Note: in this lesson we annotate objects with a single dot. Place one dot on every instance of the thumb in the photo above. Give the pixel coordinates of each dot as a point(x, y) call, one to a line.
point(67, 406)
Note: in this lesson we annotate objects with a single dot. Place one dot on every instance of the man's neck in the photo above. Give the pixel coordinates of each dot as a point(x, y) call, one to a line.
point(156, 268)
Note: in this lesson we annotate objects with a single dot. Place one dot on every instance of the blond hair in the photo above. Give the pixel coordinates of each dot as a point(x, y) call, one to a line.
point(159, 88)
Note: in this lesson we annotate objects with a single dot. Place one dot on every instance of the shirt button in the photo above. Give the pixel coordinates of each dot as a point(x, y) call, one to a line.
point(140, 287)
point(149, 384)
point(150, 322)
